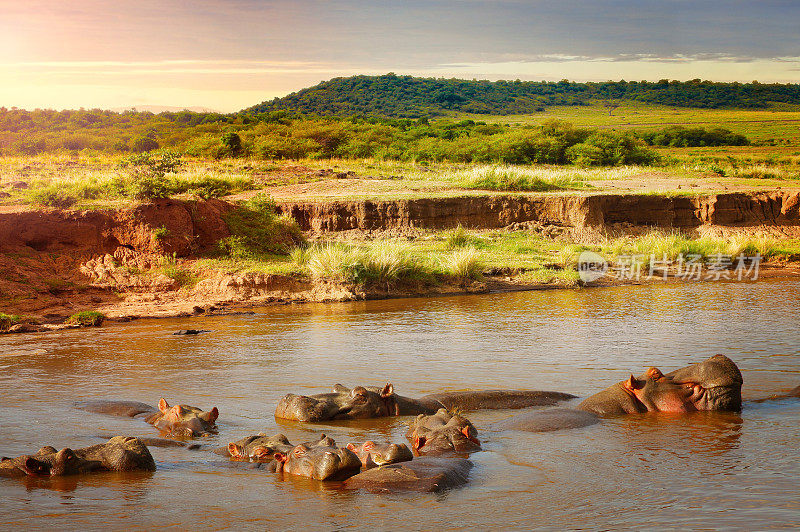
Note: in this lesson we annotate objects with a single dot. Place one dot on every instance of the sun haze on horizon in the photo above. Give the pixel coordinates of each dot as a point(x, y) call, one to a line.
point(228, 55)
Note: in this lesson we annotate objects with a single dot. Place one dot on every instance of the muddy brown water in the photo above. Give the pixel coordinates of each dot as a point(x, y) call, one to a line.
point(695, 471)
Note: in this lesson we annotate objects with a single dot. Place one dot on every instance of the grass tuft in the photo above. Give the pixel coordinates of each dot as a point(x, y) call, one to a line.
point(87, 318)
point(463, 264)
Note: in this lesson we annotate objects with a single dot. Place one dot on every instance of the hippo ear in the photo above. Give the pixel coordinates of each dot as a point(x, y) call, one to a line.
point(163, 405)
point(177, 410)
point(368, 445)
point(632, 384)
point(338, 388)
point(419, 442)
point(654, 373)
point(210, 416)
point(473, 439)
point(279, 457)
point(234, 451)
point(352, 447)
point(387, 390)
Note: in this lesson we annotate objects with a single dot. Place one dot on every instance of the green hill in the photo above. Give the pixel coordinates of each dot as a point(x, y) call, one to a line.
point(411, 97)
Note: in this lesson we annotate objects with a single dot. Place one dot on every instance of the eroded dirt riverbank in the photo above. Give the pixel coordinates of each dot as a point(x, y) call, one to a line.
point(55, 262)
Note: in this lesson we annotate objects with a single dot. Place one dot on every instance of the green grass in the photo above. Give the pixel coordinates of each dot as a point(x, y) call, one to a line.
point(8, 320)
point(257, 229)
point(183, 276)
point(760, 126)
point(515, 178)
point(87, 318)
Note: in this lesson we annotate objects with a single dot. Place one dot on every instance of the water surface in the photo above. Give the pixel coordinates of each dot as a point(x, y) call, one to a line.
point(705, 470)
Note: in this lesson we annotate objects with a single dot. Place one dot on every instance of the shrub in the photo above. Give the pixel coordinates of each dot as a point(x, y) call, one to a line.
point(232, 142)
point(7, 320)
point(257, 229)
point(87, 318)
point(52, 196)
point(144, 144)
point(148, 175)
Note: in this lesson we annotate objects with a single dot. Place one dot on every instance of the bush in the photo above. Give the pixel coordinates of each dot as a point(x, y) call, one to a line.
point(87, 318)
point(144, 144)
point(257, 229)
point(232, 142)
point(148, 175)
point(7, 320)
point(52, 196)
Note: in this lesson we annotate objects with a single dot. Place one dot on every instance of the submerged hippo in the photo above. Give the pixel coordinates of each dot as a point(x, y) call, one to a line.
point(120, 453)
point(320, 460)
point(714, 384)
point(443, 432)
point(370, 402)
point(374, 454)
point(179, 420)
point(424, 474)
point(258, 448)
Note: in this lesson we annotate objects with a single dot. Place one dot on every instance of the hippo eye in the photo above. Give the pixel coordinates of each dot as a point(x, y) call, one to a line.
point(360, 398)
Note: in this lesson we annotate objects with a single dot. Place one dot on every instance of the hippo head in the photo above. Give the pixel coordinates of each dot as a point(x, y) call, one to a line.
point(342, 403)
point(320, 460)
point(121, 453)
point(714, 384)
point(443, 432)
point(51, 463)
point(259, 448)
point(374, 454)
point(184, 420)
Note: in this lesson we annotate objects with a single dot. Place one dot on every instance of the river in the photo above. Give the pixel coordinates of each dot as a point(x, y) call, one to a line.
point(703, 470)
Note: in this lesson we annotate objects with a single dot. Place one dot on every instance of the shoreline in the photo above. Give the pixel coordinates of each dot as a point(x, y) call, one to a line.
point(157, 259)
point(122, 313)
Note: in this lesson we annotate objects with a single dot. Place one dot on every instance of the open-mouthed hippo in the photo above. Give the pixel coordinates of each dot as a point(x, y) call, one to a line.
point(374, 454)
point(258, 448)
point(714, 384)
point(320, 460)
point(443, 432)
point(179, 420)
point(371, 402)
point(120, 453)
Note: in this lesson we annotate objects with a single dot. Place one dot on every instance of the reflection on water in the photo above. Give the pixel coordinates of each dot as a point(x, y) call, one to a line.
point(703, 470)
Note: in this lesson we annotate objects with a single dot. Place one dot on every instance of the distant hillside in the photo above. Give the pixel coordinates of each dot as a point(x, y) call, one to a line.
point(410, 97)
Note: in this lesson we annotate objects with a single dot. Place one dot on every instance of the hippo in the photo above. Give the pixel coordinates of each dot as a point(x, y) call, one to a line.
point(320, 460)
point(374, 454)
point(179, 420)
point(423, 474)
point(364, 402)
point(258, 448)
point(714, 384)
point(120, 453)
point(443, 432)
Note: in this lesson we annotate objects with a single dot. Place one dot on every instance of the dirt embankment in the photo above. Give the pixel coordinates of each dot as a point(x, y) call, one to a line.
point(599, 212)
point(54, 263)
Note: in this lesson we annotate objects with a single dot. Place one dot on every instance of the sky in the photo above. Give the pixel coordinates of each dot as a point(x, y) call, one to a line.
point(230, 54)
